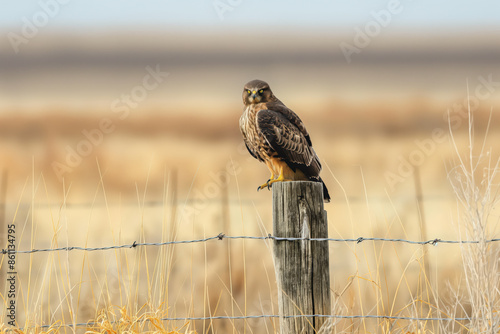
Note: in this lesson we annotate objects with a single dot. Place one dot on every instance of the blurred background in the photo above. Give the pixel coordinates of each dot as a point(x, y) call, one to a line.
point(119, 122)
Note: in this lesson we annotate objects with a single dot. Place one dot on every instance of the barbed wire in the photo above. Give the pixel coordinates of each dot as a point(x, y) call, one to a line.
point(222, 236)
point(269, 316)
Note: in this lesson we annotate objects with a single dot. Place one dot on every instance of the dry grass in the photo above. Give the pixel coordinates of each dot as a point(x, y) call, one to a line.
point(475, 182)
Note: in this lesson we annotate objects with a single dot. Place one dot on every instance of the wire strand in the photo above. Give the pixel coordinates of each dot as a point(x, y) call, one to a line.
point(222, 236)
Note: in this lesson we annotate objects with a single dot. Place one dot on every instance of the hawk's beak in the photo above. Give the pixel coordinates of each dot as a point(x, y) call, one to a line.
point(254, 94)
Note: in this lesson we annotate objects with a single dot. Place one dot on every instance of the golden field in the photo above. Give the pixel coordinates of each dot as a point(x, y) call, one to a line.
point(172, 167)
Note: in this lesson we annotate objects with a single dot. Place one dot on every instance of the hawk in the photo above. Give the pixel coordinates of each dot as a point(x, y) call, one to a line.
point(275, 135)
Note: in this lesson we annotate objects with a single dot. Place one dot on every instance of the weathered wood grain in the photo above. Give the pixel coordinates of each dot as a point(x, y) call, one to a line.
point(302, 267)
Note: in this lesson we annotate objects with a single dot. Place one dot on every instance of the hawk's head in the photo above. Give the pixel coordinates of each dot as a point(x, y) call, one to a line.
point(257, 91)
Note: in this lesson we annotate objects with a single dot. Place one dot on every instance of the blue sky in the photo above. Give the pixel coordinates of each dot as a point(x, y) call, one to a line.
point(245, 13)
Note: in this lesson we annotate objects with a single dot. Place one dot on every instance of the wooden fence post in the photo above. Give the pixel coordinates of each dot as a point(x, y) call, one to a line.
point(302, 267)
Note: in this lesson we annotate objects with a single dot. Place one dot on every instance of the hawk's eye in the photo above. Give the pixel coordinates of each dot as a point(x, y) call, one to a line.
point(261, 91)
point(249, 92)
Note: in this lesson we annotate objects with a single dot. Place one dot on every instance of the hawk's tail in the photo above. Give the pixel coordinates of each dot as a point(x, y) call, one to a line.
point(326, 195)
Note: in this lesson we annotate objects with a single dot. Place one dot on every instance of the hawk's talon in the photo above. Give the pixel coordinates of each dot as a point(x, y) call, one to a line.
point(265, 185)
point(269, 182)
point(280, 178)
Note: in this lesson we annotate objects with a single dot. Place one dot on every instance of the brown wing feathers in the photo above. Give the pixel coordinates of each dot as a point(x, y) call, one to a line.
point(291, 117)
point(289, 142)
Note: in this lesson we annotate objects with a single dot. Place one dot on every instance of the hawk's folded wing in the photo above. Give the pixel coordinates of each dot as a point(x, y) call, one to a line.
point(289, 142)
